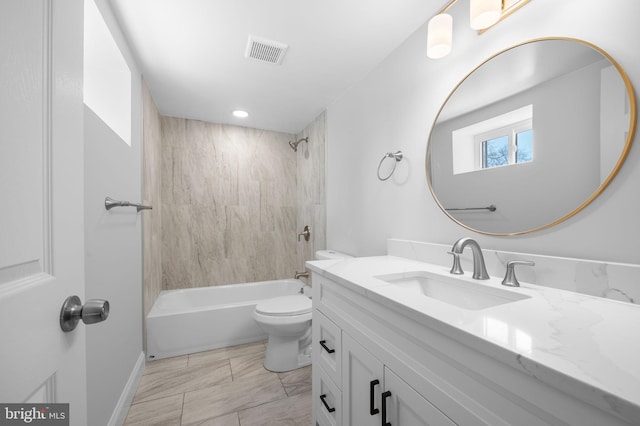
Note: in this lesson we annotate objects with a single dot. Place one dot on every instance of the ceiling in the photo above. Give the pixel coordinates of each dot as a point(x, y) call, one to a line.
point(191, 53)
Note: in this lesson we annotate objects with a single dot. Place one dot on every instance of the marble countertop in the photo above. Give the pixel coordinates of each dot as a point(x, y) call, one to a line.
point(586, 346)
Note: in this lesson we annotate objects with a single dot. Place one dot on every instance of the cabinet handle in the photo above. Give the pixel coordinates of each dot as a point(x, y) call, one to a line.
point(385, 395)
point(323, 399)
point(372, 410)
point(326, 348)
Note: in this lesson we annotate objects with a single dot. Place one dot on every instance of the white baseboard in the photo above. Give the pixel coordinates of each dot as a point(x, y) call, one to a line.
point(122, 407)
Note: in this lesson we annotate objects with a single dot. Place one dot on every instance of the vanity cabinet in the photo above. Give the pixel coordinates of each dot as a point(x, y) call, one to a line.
point(374, 395)
point(351, 386)
point(371, 354)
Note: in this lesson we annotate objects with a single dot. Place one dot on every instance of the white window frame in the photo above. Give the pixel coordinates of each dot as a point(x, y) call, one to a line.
point(510, 131)
point(467, 153)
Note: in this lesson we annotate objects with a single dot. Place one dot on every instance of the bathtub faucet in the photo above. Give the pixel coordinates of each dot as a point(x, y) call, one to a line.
point(301, 274)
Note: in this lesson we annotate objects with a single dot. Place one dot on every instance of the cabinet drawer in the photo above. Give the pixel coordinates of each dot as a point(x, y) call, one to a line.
point(327, 346)
point(327, 400)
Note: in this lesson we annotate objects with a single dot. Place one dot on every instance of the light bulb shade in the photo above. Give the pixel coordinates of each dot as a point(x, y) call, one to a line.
point(484, 13)
point(439, 36)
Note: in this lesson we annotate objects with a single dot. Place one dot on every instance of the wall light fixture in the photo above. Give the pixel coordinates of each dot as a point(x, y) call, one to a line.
point(483, 14)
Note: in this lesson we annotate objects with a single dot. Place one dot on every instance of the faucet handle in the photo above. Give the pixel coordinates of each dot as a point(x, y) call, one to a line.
point(510, 276)
point(456, 269)
point(306, 233)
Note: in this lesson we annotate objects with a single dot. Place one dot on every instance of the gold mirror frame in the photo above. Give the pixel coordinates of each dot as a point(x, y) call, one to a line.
point(603, 185)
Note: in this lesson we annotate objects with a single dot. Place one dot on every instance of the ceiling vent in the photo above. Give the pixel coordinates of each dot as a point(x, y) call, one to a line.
point(264, 50)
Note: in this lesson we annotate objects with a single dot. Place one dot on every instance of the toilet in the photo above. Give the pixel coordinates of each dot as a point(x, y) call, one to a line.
point(287, 322)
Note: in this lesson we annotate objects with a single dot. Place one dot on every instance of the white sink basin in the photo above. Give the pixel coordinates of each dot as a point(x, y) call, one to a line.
point(451, 290)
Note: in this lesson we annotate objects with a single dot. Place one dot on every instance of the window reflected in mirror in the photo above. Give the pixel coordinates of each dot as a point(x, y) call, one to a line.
point(503, 140)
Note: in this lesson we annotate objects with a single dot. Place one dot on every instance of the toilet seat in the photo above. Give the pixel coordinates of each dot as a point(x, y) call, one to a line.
point(285, 306)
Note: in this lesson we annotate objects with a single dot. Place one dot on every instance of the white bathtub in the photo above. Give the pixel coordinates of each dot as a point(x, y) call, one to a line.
point(199, 319)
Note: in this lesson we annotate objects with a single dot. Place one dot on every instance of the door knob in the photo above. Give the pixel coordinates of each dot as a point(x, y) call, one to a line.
point(95, 310)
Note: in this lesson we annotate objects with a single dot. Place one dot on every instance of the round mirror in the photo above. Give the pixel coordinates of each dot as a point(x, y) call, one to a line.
point(531, 137)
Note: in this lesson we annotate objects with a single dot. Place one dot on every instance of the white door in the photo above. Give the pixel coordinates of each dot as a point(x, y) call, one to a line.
point(41, 193)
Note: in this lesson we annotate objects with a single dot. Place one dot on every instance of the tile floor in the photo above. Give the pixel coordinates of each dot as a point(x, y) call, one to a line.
point(223, 387)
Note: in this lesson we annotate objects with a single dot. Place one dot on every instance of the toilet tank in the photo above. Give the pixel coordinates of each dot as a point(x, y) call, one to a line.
point(330, 254)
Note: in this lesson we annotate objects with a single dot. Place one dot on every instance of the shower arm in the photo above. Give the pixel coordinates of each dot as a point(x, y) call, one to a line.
point(294, 145)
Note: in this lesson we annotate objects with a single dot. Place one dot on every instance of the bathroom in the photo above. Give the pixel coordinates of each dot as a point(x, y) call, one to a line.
point(330, 185)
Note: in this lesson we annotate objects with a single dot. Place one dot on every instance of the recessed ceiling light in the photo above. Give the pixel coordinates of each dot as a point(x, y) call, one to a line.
point(240, 114)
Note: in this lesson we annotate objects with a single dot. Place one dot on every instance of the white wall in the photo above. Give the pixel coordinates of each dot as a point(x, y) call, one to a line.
point(394, 108)
point(113, 259)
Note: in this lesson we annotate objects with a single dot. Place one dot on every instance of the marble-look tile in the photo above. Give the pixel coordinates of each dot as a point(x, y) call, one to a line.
point(159, 412)
point(205, 358)
point(297, 381)
point(215, 401)
point(248, 365)
point(292, 411)
point(207, 245)
point(175, 189)
point(157, 385)
point(151, 194)
point(226, 420)
point(177, 234)
point(222, 186)
point(170, 384)
point(166, 365)
point(285, 264)
point(623, 283)
point(311, 198)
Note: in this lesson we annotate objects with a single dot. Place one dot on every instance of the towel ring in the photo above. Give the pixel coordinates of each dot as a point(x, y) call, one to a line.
point(397, 156)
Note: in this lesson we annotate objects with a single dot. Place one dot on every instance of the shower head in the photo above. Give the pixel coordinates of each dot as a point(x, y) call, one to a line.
point(294, 145)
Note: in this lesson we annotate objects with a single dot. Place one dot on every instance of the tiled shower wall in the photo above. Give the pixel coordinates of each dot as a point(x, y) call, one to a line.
point(151, 219)
point(228, 204)
point(311, 189)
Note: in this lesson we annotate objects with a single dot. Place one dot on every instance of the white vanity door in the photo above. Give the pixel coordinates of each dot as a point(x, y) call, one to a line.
point(362, 380)
point(406, 407)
